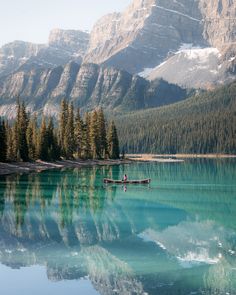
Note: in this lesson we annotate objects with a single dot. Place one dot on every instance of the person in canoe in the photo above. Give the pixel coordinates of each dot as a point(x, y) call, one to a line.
point(125, 178)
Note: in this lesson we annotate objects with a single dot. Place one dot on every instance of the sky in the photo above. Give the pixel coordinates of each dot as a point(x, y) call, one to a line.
point(32, 20)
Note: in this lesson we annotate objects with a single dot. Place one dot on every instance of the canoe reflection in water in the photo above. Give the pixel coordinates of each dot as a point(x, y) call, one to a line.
point(124, 183)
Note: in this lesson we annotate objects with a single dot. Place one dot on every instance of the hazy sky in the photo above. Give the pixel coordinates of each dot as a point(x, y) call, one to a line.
point(31, 20)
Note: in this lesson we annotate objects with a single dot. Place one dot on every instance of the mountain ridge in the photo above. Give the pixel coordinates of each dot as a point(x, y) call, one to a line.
point(187, 42)
point(63, 46)
point(87, 86)
point(146, 34)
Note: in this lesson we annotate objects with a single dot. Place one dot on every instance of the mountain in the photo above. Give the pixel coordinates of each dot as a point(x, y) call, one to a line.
point(150, 32)
point(75, 42)
point(144, 34)
point(87, 86)
point(14, 54)
point(63, 46)
point(204, 123)
point(150, 38)
point(190, 43)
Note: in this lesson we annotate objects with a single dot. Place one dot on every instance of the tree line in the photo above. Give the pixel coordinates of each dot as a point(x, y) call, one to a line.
point(204, 123)
point(202, 134)
point(90, 137)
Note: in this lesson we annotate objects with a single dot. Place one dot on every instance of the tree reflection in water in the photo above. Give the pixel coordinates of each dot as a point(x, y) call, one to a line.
point(128, 241)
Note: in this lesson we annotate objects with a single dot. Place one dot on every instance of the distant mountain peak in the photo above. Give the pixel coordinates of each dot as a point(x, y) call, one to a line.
point(73, 40)
point(188, 42)
point(145, 33)
point(63, 46)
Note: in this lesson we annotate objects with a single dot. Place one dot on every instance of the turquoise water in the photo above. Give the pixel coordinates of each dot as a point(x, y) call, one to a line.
point(64, 232)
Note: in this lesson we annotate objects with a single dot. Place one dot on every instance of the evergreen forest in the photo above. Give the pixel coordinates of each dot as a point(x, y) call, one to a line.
point(73, 137)
point(204, 123)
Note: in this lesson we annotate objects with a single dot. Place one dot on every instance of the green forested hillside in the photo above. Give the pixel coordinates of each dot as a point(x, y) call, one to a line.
point(204, 123)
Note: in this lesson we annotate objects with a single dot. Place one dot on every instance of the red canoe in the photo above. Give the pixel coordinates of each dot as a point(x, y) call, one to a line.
point(142, 181)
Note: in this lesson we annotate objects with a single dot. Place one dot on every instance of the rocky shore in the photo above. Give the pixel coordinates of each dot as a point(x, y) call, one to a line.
point(38, 166)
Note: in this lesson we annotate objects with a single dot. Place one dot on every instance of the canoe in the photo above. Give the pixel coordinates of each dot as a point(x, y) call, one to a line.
point(142, 181)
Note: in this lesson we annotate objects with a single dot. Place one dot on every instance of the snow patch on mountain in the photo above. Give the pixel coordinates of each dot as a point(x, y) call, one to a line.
point(188, 46)
point(198, 58)
point(190, 66)
point(146, 72)
point(198, 53)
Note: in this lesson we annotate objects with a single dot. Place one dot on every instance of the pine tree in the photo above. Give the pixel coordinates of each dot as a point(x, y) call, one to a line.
point(78, 134)
point(63, 117)
point(86, 148)
point(43, 141)
point(20, 128)
point(35, 137)
point(15, 143)
point(11, 155)
point(93, 135)
point(113, 142)
point(3, 141)
point(87, 139)
point(69, 139)
point(53, 152)
point(102, 139)
point(31, 135)
point(15, 135)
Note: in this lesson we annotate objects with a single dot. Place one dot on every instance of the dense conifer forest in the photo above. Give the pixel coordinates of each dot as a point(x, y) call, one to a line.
point(204, 123)
point(88, 138)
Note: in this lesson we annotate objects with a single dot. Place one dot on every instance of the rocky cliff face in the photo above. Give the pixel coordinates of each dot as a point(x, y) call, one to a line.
point(15, 54)
point(196, 38)
point(150, 32)
point(75, 42)
point(88, 86)
point(63, 46)
point(145, 33)
point(220, 30)
point(219, 17)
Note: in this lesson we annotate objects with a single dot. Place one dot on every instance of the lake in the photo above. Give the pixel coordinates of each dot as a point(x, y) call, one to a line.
point(65, 232)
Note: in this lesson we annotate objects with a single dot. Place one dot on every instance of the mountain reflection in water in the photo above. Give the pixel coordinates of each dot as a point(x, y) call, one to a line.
point(175, 237)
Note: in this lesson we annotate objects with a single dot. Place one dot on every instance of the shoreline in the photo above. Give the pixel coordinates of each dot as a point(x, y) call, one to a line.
point(39, 166)
point(162, 158)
